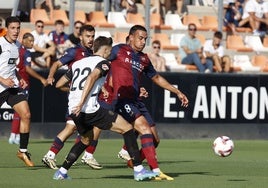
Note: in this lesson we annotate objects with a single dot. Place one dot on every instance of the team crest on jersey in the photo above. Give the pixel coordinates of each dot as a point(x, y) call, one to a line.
point(28, 59)
point(105, 67)
point(83, 54)
point(128, 52)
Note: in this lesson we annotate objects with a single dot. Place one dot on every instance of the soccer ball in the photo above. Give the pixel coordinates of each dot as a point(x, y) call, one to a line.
point(223, 146)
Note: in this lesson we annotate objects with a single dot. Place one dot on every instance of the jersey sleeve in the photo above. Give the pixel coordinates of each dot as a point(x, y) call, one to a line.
point(27, 58)
point(104, 67)
point(68, 56)
point(69, 74)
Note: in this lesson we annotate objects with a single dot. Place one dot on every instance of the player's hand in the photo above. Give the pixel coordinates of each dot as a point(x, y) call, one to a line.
point(143, 92)
point(50, 80)
point(77, 109)
point(44, 82)
point(23, 84)
point(8, 82)
point(183, 99)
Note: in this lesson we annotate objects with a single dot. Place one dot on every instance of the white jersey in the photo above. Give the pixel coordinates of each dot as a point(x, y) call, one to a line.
point(9, 55)
point(79, 73)
point(40, 40)
point(208, 47)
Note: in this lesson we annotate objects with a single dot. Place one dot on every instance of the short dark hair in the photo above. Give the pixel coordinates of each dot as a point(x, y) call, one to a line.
point(135, 28)
point(39, 21)
point(156, 42)
point(218, 34)
point(191, 24)
point(102, 41)
point(12, 19)
point(86, 28)
point(78, 21)
point(59, 22)
point(27, 35)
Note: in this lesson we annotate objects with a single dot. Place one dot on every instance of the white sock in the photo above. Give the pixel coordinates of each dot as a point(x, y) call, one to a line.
point(123, 151)
point(63, 170)
point(138, 168)
point(51, 154)
point(12, 135)
point(88, 155)
point(156, 170)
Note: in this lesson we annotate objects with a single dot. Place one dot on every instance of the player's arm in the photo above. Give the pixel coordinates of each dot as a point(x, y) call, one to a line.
point(52, 71)
point(62, 83)
point(91, 79)
point(162, 82)
point(34, 74)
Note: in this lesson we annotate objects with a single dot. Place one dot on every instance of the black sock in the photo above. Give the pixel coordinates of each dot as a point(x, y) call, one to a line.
point(132, 147)
point(73, 155)
point(24, 140)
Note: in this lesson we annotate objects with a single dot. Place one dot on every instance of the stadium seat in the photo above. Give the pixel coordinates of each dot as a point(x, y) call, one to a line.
point(172, 64)
point(174, 21)
point(255, 43)
point(118, 19)
point(135, 19)
point(201, 38)
point(260, 61)
point(235, 42)
point(191, 18)
point(102, 33)
point(210, 22)
point(22, 32)
point(265, 41)
point(40, 14)
point(59, 15)
point(175, 38)
point(97, 19)
point(120, 37)
point(242, 63)
point(165, 41)
point(80, 15)
point(156, 22)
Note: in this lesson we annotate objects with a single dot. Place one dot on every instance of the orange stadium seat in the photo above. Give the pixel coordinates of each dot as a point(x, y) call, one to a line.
point(235, 42)
point(59, 15)
point(120, 37)
point(157, 22)
point(210, 22)
point(22, 32)
point(80, 15)
point(135, 19)
point(201, 38)
point(97, 19)
point(265, 41)
point(165, 41)
point(191, 18)
point(260, 61)
point(40, 14)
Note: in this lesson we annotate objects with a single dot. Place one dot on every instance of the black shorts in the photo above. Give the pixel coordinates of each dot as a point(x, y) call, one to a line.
point(102, 119)
point(12, 96)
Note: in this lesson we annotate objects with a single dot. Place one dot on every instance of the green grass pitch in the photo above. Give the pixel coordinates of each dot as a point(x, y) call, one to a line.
point(192, 163)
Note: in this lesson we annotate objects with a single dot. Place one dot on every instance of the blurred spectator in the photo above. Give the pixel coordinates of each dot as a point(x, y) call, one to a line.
point(48, 3)
point(3, 30)
point(191, 51)
point(129, 6)
point(75, 36)
point(214, 51)
point(60, 38)
point(157, 60)
point(43, 49)
point(253, 14)
point(116, 5)
point(233, 15)
point(98, 4)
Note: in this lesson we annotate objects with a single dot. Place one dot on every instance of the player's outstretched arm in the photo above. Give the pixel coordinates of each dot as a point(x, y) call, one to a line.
point(162, 82)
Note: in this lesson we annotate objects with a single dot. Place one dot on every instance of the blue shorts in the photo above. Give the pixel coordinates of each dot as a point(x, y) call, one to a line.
point(131, 110)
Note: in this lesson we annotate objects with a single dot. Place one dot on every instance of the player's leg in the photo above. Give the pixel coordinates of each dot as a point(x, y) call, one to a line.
point(58, 143)
point(73, 155)
point(123, 127)
point(88, 157)
point(22, 108)
point(14, 137)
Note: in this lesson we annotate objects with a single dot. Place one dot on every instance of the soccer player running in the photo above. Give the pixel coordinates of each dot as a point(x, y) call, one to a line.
point(88, 75)
point(84, 49)
point(128, 63)
point(11, 85)
point(25, 71)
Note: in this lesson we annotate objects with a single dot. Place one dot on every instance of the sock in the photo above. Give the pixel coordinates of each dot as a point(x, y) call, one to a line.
point(15, 124)
point(24, 140)
point(78, 138)
point(148, 150)
point(12, 135)
point(73, 155)
point(87, 155)
point(132, 147)
point(56, 146)
point(92, 147)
